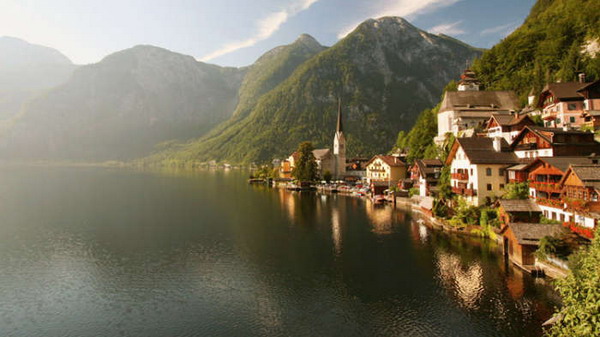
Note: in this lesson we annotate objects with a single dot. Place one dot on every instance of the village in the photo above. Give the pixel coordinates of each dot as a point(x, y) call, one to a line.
point(528, 178)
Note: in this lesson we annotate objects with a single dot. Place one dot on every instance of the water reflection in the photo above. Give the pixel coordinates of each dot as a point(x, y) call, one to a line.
point(89, 253)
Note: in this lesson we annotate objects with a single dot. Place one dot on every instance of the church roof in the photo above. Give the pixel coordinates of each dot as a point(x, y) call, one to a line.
point(339, 126)
point(491, 100)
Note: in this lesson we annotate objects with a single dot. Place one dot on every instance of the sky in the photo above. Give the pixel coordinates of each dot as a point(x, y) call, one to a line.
point(237, 32)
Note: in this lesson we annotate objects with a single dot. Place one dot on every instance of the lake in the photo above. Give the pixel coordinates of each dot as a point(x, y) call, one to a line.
point(108, 252)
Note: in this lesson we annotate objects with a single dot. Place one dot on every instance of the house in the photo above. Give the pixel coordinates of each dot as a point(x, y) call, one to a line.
point(478, 168)
point(323, 157)
point(521, 240)
point(517, 173)
point(511, 211)
point(591, 104)
point(470, 108)
point(425, 174)
point(285, 169)
point(386, 168)
point(562, 104)
point(536, 141)
point(581, 190)
point(357, 167)
point(507, 126)
point(545, 188)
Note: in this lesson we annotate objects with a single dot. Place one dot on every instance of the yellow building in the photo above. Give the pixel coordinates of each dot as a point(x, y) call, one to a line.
point(386, 168)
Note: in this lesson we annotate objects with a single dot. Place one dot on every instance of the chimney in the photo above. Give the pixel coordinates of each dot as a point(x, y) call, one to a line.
point(497, 143)
point(581, 77)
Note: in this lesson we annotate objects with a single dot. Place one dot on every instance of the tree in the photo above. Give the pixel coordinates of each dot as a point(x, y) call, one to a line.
point(327, 176)
point(516, 191)
point(305, 168)
point(580, 292)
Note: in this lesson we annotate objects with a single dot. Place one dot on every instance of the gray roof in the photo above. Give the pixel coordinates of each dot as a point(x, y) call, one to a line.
point(531, 233)
point(321, 153)
point(516, 206)
point(494, 100)
point(481, 151)
point(562, 163)
point(587, 173)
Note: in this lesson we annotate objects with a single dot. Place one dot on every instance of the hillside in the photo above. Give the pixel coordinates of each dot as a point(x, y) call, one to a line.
point(121, 107)
point(385, 72)
point(27, 69)
point(558, 39)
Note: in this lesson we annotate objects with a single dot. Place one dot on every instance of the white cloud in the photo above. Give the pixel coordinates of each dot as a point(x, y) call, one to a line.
point(266, 27)
point(403, 8)
point(448, 29)
point(504, 29)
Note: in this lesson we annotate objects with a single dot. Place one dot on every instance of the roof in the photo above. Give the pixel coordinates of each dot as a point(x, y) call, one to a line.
point(321, 153)
point(517, 167)
point(392, 161)
point(587, 86)
point(531, 233)
point(481, 151)
point(515, 206)
point(587, 173)
point(548, 135)
point(566, 90)
point(428, 166)
point(562, 163)
point(498, 100)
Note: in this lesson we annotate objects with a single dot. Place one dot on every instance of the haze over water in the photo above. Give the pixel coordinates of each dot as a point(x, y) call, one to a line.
point(98, 252)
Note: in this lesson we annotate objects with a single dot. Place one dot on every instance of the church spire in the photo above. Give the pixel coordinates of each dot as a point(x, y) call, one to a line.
point(339, 117)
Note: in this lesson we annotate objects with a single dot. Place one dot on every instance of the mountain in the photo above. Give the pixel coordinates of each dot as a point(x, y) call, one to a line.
point(266, 73)
point(121, 107)
point(558, 39)
point(385, 72)
point(25, 70)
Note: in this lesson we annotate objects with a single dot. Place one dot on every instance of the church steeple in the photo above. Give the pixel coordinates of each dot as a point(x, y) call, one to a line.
point(339, 145)
point(339, 117)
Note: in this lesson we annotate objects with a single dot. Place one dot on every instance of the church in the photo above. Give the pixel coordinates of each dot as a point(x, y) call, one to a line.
point(334, 161)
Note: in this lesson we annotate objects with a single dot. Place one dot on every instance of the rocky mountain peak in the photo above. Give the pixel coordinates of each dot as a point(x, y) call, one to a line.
point(308, 41)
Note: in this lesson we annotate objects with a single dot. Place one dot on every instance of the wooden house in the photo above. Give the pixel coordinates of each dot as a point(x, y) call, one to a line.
point(535, 141)
point(521, 240)
point(507, 126)
point(512, 211)
point(581, 191)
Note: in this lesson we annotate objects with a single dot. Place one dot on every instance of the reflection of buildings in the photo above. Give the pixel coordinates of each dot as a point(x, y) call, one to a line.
point(466, 282)
point(381, 219)
point(336, 230)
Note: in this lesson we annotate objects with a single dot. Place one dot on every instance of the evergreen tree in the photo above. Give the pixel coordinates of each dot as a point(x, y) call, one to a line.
point(306, 167)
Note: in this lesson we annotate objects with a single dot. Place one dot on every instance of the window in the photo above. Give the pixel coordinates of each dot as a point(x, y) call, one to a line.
point(557, 121)
point(572, 119)
point(489, 187)
point(501, 186)
point(572, 106)
point(471, 171)
point(562, 217)
point(488, 171)
point(501, 172)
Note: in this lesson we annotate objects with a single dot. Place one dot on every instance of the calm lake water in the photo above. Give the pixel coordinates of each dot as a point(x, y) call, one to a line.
point(99, 252)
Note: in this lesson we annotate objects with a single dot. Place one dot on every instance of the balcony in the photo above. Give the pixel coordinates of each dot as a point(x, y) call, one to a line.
point(577, 205)
point(468, 192)
point(460, 176)
point(526, 146)
point(556, 203)
point(577, 228)
point(546, 186)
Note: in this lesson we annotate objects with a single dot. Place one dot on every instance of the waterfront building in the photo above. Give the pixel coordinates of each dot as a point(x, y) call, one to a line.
point(470, 108)
point(562, 104)
point(521, 240)
point(536, 141)
point(581, 190)
point(425, 174)
point(478, 168)
point(323, 157)
point(517, 210)
point(545, 188)
point(507, 126)
point(389, 169)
